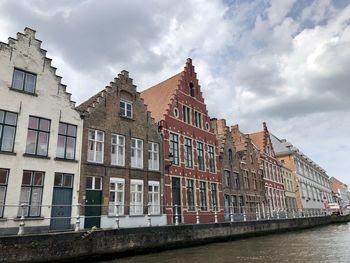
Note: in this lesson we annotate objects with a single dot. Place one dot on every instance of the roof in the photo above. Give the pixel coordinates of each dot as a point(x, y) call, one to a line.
point(158, 97)
point(258, 139)
point(280, 146)
point(83, 106)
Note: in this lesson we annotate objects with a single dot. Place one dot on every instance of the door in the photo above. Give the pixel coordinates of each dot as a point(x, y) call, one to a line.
point(176, 191)
point(61, 210)
point(93, 201)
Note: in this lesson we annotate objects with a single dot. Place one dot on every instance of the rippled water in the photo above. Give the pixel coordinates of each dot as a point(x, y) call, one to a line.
point(322, 244)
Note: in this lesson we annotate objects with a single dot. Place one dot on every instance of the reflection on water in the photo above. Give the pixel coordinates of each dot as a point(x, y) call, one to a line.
point(323, 244)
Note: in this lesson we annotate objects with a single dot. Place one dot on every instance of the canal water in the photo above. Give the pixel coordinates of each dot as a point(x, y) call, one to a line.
point(322, 244)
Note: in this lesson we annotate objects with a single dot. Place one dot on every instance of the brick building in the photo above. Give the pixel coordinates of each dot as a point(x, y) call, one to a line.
point(192, 176)
point(272, 171)
point(251, 173)
point(122, 159)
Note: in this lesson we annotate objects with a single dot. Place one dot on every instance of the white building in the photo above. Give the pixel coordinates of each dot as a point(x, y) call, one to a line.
point(40, 140)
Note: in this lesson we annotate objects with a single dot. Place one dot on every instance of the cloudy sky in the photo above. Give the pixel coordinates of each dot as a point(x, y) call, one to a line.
point(284, 62)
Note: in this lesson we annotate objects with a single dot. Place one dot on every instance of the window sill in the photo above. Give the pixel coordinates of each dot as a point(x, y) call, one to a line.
point(36, 156)
point(66, 160)
point(24, 92)
point(114, 216)
point(92, 163)
point(117, 166)
point(136, 168)
point(127, 118)
point(138, 215)
point(29, 218)
point(8, 153)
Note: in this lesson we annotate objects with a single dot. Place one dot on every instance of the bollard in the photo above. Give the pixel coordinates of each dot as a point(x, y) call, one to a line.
point(215, 215)
point(197, 215)
point(257, 215)
point(231, 214)
point(286, 212)
point(278, 213)
point(268, 215)
point(176, 216)
point(116, 216)
point(244, 215)
point(77, 219)
point(21, 224)
point(149, 214)
point(293, 213)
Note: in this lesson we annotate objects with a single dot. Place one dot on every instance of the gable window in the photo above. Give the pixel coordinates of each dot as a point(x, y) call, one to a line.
point(191, 89)
point(116, 196)
point(227, 178)
point(31, 193)
point(67, 134)
point(211, 157)
point(96, 146)
point(214, 197)
point(188, 153)
point(8, 123)
point(125, 109)
point(153, 197)
point(190, 195)
point(38, 136)
point(230, 154)
point(186, 111)
point(174, 148)
point(136, 153)
point(203, 195)
point(200, 154)
point(3, 186)
point(23, 81)
point(153, 156)
point(136, 197)
point(118, 150)
point(198, 119)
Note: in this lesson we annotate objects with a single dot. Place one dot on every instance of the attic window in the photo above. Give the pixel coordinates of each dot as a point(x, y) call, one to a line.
point(176, 112)
point(191, 89)
point(23, 81)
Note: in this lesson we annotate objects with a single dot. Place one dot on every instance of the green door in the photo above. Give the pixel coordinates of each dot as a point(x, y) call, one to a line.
point(93, 203)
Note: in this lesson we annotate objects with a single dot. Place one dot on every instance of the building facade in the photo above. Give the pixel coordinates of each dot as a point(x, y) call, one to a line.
point(289, 188)
point(340, 192)
point(40, 141)
point(312, 185)
point(122, 159)
point(243, 188)
point(274, 187)
point(193, 181)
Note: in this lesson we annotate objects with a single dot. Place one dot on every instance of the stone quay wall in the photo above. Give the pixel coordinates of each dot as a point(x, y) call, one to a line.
point(99, 244)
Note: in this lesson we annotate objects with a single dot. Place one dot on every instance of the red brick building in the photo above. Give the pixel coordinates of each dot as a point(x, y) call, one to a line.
point(193, 180)
point(272, 171)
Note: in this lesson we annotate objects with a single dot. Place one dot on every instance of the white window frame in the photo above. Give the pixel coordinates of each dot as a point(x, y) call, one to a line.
point(136, 162)
point(136, 206)
point(115, 157)
point(94, 144)
point(124, 112)
point(153, 156)
point(154, 207)
point(112, 204)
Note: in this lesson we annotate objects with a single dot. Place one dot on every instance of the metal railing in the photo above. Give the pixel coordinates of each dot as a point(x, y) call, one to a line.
point(177, 214)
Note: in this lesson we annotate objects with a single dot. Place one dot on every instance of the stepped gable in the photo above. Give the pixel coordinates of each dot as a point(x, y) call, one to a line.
point(261, 139)
point(28, 38)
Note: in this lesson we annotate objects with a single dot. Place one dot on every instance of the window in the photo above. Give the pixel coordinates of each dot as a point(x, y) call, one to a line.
point(136, 197)
point(186, 111)
point(136, 153)
point(96, 146)
point(3, 186)
point(154, 197)
point(93, 183)
point(230, 154)
point(31, 193)
point(200, 154)
point(23, 81)
point(38, 136)
point(214, 197)
point(116, 196)
point(8, 122)
point(245, 178)
point(188, 153)
point(241, 204)
point(125, 109)
point(118, 150)
point(190, 195)
point(203, 195)
point(191, 89)
point(236, 180)
point(67, 135)
point(198, 119)
point(254, 181)
point(153, 156)
point(211, 158)
point(174, 148)
point(227, 178)
point(63, 180)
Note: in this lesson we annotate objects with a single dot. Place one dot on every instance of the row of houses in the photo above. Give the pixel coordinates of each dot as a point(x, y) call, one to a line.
point(124, 156)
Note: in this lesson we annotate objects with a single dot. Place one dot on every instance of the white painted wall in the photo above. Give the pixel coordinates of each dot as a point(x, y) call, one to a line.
point(51, 102)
